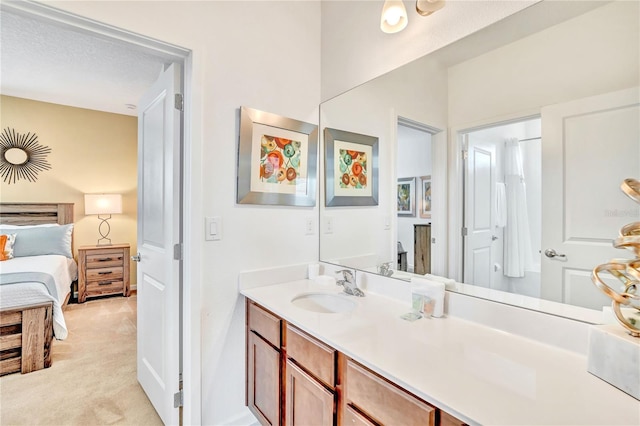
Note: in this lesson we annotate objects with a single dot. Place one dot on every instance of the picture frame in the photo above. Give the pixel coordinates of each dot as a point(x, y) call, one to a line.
point(351, 169)
point(425, 197)
point(406, 196)
point(277, 160)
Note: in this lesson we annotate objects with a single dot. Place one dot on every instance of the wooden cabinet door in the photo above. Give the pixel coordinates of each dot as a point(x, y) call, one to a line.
point(263, 380)
point(308, 402)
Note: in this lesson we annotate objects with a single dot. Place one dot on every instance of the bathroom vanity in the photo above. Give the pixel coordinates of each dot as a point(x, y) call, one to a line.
point(365, 365)
point(294, 378)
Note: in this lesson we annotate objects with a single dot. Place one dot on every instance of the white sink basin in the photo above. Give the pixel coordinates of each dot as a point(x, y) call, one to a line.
point(324, 302)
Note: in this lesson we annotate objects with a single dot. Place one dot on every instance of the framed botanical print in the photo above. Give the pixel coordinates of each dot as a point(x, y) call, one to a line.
point(351, 169)
point(425, 198)
point(406, 196)
point(277, 159)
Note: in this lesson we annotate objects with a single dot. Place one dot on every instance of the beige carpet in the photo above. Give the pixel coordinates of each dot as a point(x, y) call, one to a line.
point(93, 377)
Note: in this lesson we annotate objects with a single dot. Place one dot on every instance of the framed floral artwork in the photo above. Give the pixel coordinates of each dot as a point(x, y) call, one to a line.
point(351, 169)
point(277, 159)
point(407, 196)
point(425, 200)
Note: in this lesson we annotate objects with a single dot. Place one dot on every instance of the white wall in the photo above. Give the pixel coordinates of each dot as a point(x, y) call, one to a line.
point(265, 55)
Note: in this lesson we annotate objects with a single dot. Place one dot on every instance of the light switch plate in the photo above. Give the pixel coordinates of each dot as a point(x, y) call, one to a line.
point(387, 223)
point(213, 228)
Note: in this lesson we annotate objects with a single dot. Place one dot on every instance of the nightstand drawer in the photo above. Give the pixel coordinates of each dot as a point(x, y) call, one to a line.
point(98, 288)
point(102, 274)
point(106, 258)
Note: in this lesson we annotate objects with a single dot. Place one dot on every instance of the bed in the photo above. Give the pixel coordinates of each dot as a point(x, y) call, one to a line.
point(35, 284)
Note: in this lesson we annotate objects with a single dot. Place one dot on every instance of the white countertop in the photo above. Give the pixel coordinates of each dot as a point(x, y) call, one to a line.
point(476, 373)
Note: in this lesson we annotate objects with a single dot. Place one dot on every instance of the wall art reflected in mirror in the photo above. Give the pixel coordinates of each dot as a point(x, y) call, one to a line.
point(530, 124)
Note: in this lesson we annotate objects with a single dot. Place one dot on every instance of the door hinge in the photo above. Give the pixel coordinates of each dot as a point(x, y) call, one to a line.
point(464, 231)
point(179, 102)
point(178, 399)
point(465, 154)
point(177, 252)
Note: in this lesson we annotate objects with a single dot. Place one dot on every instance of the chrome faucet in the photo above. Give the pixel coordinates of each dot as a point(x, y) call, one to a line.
point(385, 269)
point(349, 283)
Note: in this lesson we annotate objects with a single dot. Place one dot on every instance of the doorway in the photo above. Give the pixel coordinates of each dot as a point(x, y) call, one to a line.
point(88, 29)
point(420, 191)
point(502, 206)
point(414, 170)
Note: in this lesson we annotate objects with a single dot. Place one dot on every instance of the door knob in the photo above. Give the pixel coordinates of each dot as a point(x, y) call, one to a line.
point(493, 238)
point(551, 253)
point(136, 258)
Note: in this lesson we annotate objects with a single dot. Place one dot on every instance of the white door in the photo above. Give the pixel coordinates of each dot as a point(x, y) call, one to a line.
point(589, 146)
point(159, 136)
point(480, 181)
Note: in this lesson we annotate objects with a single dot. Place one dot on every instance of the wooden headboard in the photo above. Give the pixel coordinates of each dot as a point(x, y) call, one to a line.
point(36, 213)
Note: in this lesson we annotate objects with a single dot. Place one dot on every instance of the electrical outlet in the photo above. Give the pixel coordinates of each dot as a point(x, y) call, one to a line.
point(328, 225)
point(309, 226)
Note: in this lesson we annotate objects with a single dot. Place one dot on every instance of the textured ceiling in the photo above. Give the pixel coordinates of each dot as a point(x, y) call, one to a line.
point(51, 62)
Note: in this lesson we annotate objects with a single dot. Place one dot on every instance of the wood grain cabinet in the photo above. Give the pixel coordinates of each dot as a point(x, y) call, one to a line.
point(103, 270)
point(264, 365)
point(422, 249)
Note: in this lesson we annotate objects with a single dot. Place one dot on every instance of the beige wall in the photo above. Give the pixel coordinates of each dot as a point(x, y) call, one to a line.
point(91, 152)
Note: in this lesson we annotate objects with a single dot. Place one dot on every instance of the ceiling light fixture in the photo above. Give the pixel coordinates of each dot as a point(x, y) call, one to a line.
point(394, 15)
point(427, 7)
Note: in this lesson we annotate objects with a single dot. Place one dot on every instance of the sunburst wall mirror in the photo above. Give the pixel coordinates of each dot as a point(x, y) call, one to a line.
point(22, 156)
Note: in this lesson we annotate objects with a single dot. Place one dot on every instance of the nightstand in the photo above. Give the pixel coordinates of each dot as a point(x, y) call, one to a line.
point(103, 270)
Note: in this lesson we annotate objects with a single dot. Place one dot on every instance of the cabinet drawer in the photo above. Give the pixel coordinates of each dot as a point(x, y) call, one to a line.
point(264, 324)
point(103, 274)
point(447, 419)
point(98, 288)
point(316, 357)
point(353, 418)
point(105, 258)
point(382, 401)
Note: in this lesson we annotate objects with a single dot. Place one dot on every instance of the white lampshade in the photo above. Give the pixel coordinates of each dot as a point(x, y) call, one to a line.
point(102, 204)
point(394, 16)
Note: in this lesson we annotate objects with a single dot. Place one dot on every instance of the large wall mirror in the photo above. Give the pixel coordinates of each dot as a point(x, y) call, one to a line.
point(511, 144)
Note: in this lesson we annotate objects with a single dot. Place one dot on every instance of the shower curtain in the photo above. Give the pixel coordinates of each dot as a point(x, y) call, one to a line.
point(517, 239)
